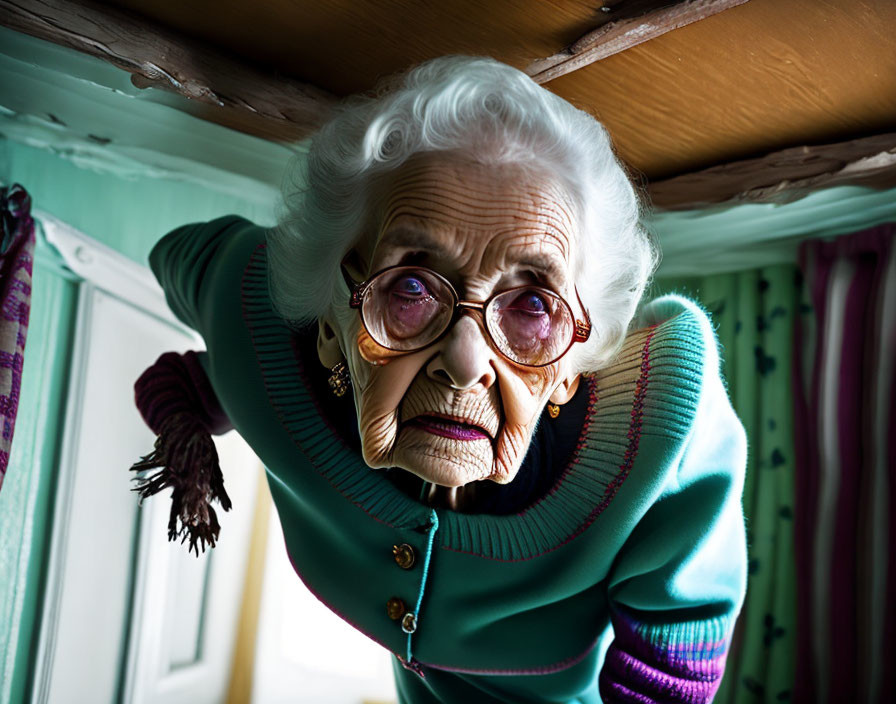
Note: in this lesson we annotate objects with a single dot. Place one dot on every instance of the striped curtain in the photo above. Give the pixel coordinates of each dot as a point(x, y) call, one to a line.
point(16, 259)
point(753, 312)
point(845, 431)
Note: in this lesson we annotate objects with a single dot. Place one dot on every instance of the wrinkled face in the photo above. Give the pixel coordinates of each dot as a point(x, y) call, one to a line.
point(457, 411)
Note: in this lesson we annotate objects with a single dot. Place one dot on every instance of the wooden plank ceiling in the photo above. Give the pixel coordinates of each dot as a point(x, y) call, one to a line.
point(759, 77)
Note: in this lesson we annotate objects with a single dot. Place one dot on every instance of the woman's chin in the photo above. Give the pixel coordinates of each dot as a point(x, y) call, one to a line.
point(443, 461)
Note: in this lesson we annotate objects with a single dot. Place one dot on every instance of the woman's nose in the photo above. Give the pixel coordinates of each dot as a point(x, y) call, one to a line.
point(465, 356)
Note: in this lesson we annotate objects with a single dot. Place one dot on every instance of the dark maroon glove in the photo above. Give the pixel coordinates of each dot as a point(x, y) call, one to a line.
point(177, 383)
point(177, 401)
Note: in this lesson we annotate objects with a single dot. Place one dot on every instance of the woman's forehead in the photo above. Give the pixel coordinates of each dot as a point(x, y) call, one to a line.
point(480, 194)
point(444, 204)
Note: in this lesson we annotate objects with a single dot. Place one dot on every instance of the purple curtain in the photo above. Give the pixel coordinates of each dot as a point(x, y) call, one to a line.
point(16, 261)
point(845, 517)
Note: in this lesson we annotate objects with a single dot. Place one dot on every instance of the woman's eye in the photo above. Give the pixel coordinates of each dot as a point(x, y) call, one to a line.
point(409, 307)
point(410, 286)
point(530, 302)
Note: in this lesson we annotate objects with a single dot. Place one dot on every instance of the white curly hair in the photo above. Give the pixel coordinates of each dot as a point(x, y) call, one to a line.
point(489, 113)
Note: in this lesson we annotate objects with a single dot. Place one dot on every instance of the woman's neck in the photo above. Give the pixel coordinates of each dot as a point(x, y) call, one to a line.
point(456, 498)
point(550, 449)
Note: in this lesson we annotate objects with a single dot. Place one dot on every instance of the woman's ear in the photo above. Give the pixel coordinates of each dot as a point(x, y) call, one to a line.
point(328, 350)
point(566, 390)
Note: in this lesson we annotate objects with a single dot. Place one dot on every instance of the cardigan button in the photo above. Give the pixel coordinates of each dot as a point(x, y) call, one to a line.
point(404, 554)
point(396, 608)
point(409, 623)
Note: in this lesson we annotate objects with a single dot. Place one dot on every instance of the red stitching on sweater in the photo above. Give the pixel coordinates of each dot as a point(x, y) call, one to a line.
point(628, 459)
point(580, 444)
point(546, 669)
point(634, 430)
point(633, 435)
point(254, 267)
point(317, 595)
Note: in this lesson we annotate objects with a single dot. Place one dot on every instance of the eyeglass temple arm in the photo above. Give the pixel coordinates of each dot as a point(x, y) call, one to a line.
point(357, 289)
point(583, 328)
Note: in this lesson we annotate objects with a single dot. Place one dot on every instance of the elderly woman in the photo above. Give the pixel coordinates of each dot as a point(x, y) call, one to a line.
point(500, 473)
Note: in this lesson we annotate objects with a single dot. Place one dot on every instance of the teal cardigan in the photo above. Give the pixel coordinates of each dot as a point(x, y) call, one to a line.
point(621, 584)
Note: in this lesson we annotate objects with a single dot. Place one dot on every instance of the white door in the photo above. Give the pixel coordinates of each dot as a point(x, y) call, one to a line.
point(129, 617)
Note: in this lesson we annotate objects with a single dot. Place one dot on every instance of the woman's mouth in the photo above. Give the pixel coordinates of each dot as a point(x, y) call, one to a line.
point(447, 428)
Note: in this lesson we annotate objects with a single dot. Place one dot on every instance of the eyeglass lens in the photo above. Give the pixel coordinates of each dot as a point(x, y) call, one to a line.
point(407, 308)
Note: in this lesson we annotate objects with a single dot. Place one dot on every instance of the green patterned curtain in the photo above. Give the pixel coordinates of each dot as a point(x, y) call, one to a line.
point(753, 314)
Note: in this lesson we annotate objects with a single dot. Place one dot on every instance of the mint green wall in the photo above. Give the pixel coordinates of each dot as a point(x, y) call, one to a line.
point(128, 215)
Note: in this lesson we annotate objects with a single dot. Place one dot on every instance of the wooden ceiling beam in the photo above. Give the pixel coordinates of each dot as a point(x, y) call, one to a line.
point(783, 176)
point(246, 98)
point(630, 23)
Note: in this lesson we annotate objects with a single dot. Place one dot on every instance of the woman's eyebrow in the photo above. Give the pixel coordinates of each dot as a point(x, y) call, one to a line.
point(548, 265)
point(551, 268)
point(414, 238)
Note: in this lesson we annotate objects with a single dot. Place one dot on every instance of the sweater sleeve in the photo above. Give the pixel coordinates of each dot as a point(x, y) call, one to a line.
point(199, 268)
point(186, 259)
point(679, 581)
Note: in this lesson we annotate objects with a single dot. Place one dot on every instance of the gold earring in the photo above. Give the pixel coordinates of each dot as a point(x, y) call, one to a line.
point(553, 410)
point(339, 380)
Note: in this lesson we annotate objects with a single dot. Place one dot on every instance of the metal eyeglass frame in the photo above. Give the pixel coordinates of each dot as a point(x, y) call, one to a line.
point(581, 329)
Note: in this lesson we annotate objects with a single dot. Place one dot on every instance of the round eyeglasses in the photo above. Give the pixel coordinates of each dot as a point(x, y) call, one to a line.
point(407, 308)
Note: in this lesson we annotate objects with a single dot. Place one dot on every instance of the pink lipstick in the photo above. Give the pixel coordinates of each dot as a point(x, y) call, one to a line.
point(449, 428)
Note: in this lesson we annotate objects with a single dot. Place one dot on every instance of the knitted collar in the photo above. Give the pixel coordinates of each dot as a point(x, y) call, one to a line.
point(618, 413)
point(550, 449)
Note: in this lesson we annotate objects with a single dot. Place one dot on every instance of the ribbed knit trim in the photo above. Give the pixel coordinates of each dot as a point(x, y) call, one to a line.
point(676, 662)
point(651, 389)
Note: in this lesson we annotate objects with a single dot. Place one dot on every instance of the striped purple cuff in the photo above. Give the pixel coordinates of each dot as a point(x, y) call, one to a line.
point(178, 384)
point(672, 663)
